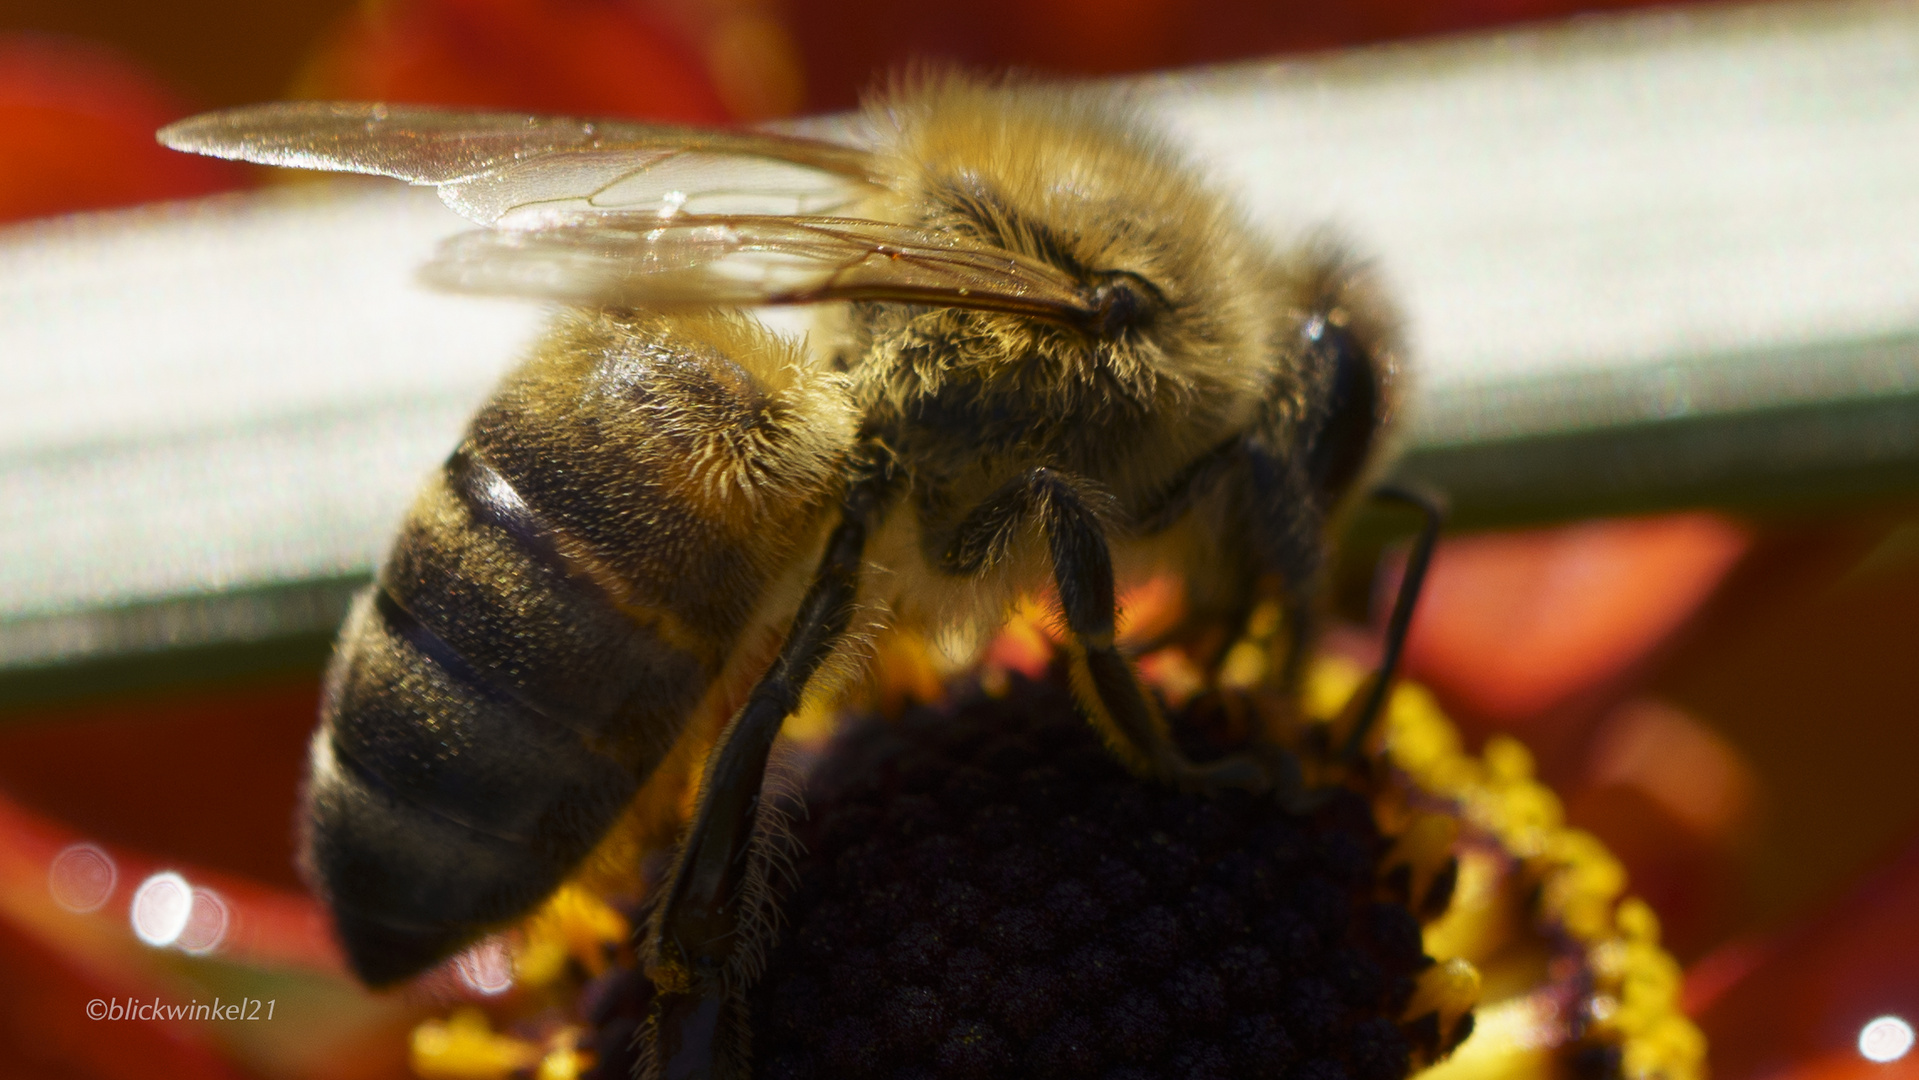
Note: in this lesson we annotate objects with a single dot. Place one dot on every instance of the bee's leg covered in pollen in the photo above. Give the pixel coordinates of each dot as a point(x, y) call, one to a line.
point(1107, 686)
point(696, 933)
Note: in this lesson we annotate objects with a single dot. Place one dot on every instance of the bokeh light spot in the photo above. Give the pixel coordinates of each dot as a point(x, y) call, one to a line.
point(82, 877)
point(487, 967)
point(1887, 1038)
point(161, 907)
point(206, 924)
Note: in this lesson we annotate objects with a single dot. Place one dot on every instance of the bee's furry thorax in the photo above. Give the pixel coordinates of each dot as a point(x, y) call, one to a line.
point(1077, 180)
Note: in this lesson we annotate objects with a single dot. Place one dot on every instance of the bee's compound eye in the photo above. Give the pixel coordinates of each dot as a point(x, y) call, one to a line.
point(1351, 408)
point(1124, 300)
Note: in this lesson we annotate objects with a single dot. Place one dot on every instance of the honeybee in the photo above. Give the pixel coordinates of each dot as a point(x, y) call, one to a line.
point(1063, 360)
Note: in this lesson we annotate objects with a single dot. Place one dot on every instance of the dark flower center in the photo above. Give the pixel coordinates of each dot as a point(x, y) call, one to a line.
point(984, 892)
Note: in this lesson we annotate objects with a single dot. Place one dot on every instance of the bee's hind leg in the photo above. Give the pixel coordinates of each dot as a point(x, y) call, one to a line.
point(696, 935)
point(1105, 683)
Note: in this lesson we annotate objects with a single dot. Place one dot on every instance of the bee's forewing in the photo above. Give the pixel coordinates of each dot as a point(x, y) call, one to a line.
point(661, 183)
point(488, 165)
point(615, 212)
point(646, 261)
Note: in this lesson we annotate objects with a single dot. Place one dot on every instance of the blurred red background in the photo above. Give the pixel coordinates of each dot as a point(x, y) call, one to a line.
point(1727, 703)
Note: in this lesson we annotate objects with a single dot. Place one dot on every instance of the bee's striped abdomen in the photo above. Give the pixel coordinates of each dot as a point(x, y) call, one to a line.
point(554, 610)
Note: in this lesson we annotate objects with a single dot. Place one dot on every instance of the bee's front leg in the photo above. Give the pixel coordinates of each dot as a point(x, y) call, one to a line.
point(695, 938)
point(1105, 683)
point(1365, 710)
point(1290, 522)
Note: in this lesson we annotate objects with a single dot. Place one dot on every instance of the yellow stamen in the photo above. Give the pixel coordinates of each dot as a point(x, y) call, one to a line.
point(1523, 872)
point(463, 1047)
point(1450, 989)
point(564, 1060)
point(1513, 1040)
point(1424, 849)
point(573, 924)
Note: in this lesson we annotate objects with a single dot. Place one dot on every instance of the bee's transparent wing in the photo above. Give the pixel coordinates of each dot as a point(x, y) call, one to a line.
point(636, 261)
point(489, 165)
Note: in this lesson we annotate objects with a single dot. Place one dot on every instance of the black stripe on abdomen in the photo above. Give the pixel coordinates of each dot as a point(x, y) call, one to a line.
point(403, 626)
point(484, 573)
point(440, 735)
point(492, 500)
point(439, 806)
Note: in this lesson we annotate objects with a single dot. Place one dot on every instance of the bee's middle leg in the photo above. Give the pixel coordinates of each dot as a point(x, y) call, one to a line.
point(1106, 684)
point(695, 937)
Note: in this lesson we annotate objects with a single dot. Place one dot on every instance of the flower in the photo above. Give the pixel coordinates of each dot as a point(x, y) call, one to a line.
point(979, 928)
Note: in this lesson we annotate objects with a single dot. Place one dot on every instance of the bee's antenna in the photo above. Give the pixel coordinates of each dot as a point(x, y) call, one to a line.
point(1433, 506)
